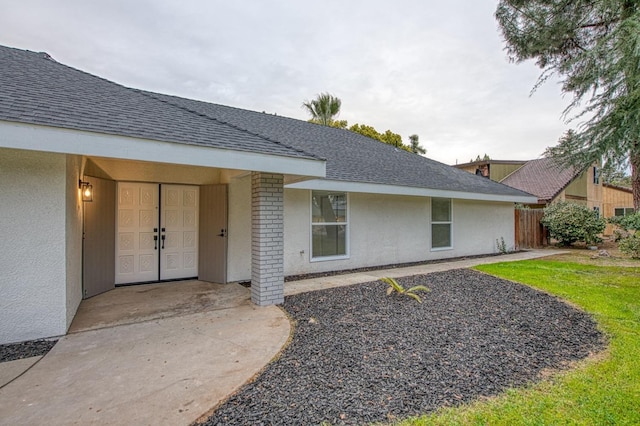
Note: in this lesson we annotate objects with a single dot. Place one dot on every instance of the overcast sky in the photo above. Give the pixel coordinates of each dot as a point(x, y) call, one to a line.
point(434, 68)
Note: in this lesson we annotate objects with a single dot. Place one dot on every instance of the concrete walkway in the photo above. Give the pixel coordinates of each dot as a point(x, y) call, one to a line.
point(165, 354)
point(320, 283)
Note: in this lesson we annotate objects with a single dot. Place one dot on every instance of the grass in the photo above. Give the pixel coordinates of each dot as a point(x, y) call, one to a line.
point(603, 390)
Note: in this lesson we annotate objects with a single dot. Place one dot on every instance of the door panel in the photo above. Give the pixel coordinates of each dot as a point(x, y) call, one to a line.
point(213, 234)
point(179, 232)
point(98, 260)
point(137, 247)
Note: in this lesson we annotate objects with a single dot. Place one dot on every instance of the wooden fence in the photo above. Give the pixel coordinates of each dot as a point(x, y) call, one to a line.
point(529, 232)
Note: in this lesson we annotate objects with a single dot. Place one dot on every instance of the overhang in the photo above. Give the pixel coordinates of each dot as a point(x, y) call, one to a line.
point(373, 188)
point(68, 141)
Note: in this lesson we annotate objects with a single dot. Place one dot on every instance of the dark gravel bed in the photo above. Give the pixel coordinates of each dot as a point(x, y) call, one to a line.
point(14, 351)
point(358, 356)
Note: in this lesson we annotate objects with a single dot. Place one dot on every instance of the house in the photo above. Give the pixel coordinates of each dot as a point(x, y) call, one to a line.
point(546, 180)
point(104, 185)
point(616, 201)
point(495, 170)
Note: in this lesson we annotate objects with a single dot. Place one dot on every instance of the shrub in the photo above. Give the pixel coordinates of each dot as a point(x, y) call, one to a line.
point(630, 222)
point(629, 237)
point(631, 245)
point(570, 222)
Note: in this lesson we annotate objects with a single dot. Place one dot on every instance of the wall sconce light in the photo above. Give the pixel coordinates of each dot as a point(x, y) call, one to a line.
point(86, 190)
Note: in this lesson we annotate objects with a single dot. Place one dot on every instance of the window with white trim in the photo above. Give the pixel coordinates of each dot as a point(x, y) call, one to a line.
point(441, 223)
point(329, 225)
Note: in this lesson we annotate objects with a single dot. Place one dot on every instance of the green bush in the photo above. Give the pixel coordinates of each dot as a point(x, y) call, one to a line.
point(570, 222)
point(631, 245)
point(630, 222)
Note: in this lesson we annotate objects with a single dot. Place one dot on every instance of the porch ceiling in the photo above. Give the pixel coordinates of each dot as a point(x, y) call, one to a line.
point(147, 171)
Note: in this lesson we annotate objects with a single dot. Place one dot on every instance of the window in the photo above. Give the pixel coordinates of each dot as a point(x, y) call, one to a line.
point(597, 210)
point(623, 211)
point(329, 225)
point(441, 223)
point(596, 175)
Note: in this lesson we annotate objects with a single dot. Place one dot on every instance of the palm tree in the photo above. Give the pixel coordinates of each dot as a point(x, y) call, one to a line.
point(323, 108)
point(415, 145)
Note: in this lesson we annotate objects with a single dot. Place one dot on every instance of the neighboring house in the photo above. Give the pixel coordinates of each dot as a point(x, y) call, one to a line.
point(184, 189)
point(544, 179)
point(616, 201)
point(495, 170)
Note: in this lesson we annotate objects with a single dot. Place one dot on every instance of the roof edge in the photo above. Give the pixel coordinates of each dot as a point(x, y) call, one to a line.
point(34, 137)
point(375, 188)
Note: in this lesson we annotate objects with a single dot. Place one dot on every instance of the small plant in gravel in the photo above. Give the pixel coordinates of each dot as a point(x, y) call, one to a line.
point(398, 288)
point(502, 246)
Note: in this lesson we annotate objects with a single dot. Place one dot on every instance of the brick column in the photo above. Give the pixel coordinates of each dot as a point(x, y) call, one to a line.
point(267, 239)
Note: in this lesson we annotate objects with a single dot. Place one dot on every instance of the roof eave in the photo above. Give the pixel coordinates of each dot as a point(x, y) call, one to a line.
point(67, 141)
point(375, 188)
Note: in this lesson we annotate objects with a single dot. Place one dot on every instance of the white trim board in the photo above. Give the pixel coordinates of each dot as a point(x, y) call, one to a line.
point(375, 188)
point(69, 141)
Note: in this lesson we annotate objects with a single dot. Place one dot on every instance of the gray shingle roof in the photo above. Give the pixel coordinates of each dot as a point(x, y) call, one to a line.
point(542, 177)
point(36, 89)
point(350, 156)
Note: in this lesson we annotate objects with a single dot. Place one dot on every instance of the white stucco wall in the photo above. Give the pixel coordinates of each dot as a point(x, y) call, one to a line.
point(33, 295)
point(73, 233)
point(383, 230)
point(476, 227)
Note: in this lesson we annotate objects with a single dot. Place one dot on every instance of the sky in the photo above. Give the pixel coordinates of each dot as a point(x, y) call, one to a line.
point(437, 69)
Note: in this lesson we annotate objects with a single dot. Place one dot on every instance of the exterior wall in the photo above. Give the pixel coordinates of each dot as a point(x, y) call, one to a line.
point(383, 230)
point(496, 171)
point(613, 198)
point(578, 188)
point(239, 230)
point(387, 230)
point(500, 171)
point(594, 191)
point(583, 191)
point(476, 227)
point(73, 246)
point(33, 282)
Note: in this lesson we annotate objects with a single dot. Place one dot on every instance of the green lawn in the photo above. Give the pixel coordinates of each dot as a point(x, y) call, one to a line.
point(604, 390)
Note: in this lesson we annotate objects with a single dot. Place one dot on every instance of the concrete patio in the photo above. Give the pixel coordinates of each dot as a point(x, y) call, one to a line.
point(161, 354)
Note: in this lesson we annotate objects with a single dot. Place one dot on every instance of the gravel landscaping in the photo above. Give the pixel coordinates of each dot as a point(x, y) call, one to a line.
point(358, 356)
point(14, 351)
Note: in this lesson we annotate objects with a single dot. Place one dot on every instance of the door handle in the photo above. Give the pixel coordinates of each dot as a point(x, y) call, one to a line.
point(223, 233)
point(162, 238)
point(155, 242)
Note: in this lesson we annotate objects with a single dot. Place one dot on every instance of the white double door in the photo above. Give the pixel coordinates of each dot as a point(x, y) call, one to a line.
point(156, 232)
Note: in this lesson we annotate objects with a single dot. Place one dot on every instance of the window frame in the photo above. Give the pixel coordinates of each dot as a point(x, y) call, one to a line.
point(625, 211)
point(449, 222)
point(347, 244)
